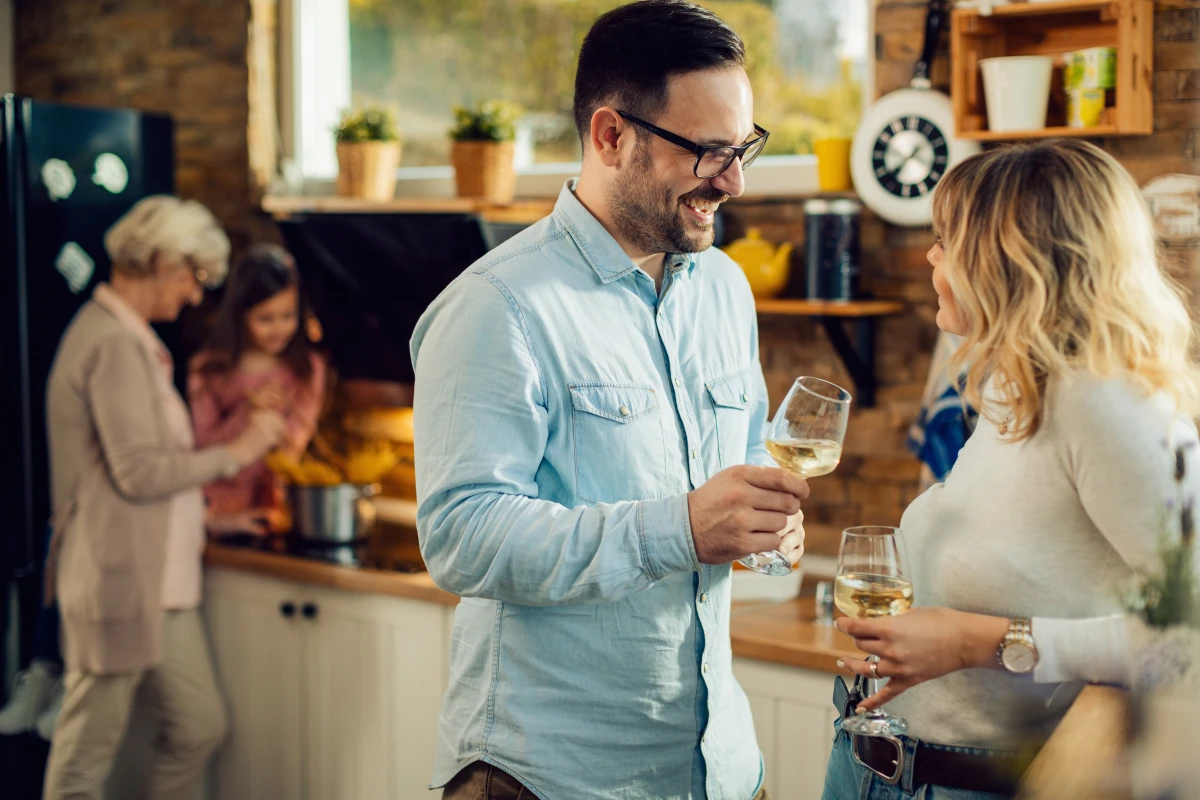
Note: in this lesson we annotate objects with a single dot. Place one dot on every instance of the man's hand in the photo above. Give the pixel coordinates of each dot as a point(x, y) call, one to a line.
point(792, 538)
point(744, 510)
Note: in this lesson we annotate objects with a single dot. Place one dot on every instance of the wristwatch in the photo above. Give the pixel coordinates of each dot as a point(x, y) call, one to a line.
point(1017, 653)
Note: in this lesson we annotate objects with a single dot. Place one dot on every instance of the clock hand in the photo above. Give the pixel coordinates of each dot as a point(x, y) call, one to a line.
point(904, 163)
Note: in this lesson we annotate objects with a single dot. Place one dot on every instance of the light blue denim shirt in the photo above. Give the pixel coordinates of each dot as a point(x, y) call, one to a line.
point(563, 410)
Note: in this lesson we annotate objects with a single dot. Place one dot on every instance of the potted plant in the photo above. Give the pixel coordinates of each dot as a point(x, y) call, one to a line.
point(483, 149)
point(368, 153)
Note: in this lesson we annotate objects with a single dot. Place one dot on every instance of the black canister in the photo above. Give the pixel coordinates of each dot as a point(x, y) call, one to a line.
point(832, 248)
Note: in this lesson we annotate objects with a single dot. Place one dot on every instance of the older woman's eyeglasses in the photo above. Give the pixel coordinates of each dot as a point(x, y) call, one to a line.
point(711, 159)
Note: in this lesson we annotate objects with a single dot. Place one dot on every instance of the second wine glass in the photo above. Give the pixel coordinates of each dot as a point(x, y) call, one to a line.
point(873, 581)
point(805, 438)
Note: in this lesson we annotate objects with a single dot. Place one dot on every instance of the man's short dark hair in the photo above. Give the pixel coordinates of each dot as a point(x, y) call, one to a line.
point(632, 51)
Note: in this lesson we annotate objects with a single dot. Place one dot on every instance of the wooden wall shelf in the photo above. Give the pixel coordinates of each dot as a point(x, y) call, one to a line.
point(857, 353)
point(518, 211)
point(1053, 29)
point(827, 308)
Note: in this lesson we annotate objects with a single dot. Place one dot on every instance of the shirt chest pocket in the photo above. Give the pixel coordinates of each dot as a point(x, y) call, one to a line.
point(730, 398)
point(620, 452)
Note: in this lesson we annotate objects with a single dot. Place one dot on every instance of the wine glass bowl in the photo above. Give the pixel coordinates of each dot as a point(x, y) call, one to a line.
point(873, 581)
point(805, 438)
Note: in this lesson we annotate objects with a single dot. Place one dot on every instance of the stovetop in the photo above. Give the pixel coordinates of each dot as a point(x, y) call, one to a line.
point(370, 553)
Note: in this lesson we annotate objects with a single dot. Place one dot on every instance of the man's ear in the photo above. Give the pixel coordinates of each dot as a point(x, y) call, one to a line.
point(609, 136)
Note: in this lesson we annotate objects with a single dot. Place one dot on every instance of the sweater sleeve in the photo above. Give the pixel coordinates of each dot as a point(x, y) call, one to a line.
point(1118, 445)
point(121, 393)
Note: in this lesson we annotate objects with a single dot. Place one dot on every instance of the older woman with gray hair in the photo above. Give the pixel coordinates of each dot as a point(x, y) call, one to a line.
point(129, 517)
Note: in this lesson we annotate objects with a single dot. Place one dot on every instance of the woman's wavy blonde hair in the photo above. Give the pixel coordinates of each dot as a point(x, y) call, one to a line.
point(1053, 261)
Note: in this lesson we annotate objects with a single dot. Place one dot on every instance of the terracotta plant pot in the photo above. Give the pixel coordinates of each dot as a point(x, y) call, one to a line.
point(484, 170)
point(368, 169)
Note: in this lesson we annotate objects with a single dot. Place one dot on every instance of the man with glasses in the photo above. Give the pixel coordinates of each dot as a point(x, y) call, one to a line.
point(589, 423)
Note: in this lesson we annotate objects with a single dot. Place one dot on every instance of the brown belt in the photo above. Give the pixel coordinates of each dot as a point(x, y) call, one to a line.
point(931, 765)
point(939, 767)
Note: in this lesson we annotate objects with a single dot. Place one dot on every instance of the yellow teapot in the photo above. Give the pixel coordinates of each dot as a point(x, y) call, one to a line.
point(766, 266)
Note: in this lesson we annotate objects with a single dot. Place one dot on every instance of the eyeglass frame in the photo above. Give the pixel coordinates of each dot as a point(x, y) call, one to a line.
point(699, 150)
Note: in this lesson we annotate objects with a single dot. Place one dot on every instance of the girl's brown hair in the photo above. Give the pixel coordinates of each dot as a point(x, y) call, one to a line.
point(263, 272)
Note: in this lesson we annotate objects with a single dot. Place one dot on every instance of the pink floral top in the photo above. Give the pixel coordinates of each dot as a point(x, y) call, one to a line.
point(221, 411)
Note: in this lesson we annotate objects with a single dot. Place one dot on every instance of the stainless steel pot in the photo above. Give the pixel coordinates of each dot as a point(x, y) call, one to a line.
point(332, 514)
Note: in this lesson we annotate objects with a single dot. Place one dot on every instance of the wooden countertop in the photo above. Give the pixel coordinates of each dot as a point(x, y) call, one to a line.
point(411, 585)
point(781, 633)
point(784, 633)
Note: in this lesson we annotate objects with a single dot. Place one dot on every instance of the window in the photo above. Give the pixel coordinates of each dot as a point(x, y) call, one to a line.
point(807, 60)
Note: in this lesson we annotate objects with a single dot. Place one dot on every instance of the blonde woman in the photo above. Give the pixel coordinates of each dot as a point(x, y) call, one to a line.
point(1045, 261)
point(125, 561)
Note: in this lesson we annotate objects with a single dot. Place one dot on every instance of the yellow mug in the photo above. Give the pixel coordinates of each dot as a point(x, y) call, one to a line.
point(833, 164)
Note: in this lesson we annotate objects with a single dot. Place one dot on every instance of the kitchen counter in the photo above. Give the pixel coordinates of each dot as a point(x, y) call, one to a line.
point(780, 633)
point(784, 633)
point(364, 580)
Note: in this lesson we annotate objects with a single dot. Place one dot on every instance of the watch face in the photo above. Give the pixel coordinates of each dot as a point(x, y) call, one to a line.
point(1018, 657)
point(910, 156)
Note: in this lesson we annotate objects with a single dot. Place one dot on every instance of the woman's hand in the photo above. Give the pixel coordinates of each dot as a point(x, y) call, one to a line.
point(270, 395)
point(266, 429)
point(921, 645)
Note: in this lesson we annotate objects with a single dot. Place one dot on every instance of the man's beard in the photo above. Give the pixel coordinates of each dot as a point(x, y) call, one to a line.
point(648, 217)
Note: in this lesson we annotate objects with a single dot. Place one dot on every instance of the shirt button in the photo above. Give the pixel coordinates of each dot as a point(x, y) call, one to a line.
point(745, 399)
point(703, 596)
point(695, 454)
point(704, 669)
point(678, 382)
point(624, 411)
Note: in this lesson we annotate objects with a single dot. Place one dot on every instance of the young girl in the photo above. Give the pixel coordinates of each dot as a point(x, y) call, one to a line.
point(258, 356)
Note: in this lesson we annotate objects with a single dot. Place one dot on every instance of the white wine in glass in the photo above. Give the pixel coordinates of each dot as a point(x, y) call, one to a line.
point(805, 438)
point(872, 581)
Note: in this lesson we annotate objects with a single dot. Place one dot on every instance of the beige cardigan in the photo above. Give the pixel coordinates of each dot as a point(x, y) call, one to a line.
point(113, 470)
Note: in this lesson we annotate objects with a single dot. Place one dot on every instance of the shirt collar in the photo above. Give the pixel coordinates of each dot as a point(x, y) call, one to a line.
point(111, 301)
point(598, 246)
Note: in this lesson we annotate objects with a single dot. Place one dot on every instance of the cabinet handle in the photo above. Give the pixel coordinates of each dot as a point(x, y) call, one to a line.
point(287, 609)
point(309, 610)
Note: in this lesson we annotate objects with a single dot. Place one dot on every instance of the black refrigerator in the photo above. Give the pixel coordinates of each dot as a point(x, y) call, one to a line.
point(66, 174)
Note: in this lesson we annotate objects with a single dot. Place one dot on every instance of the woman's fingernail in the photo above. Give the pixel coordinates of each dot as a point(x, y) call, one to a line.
point(841, 664)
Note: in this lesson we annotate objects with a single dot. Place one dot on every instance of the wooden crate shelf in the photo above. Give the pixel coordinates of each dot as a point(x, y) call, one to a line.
point(1052, 29)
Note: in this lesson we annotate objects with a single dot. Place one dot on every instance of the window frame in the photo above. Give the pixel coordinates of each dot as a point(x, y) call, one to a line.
point(311, 100)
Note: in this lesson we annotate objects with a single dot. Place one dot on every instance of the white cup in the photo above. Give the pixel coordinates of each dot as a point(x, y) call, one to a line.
point(1017, 89)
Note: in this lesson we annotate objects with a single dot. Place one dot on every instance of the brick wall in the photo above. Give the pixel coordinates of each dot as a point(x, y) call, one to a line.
point(187, 58)
point(878, 477)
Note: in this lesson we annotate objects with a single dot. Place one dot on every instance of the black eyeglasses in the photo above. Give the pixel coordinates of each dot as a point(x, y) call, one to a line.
point(711, 159)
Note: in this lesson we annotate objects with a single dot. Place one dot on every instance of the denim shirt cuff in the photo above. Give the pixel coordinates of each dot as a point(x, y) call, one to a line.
point(665, 530)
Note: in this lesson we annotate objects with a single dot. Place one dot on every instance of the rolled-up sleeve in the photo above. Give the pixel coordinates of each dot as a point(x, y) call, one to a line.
point(480, 427)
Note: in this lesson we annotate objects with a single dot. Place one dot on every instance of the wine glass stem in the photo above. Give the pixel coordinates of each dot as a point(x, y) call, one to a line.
point(873, 687)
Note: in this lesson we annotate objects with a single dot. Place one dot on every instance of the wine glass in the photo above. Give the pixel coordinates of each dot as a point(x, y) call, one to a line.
point(804, 438)
point(872, 581)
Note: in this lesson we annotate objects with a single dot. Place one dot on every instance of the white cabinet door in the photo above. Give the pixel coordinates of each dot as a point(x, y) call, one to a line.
point(375, 670)
point(793, 719)
point(259, 665)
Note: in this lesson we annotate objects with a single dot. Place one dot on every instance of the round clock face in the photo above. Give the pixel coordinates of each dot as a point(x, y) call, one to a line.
point(909, 156)
point(903, 147)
